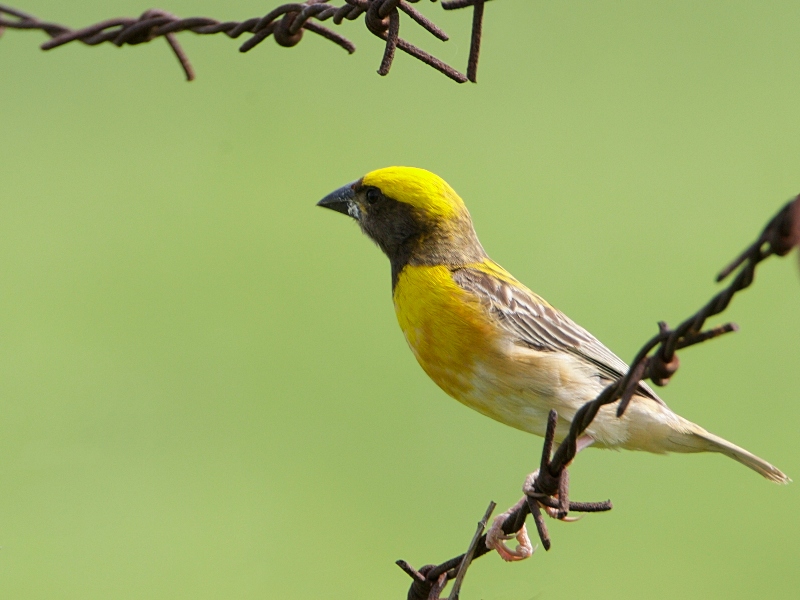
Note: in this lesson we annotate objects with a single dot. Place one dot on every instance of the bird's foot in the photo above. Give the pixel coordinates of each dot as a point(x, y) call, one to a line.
point(551, 511)
point(496, 538)
point(527, 487)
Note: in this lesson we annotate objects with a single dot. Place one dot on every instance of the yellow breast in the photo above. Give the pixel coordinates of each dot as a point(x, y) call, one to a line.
point(445, 326)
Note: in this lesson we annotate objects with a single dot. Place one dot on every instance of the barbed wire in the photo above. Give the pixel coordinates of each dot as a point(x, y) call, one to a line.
point(286, 24)
point(548, 488)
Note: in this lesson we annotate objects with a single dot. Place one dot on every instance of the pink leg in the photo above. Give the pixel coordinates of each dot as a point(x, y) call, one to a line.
point(583, 442)
point(495, 538)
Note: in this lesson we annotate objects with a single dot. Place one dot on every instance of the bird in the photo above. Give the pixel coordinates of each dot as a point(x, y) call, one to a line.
point(489, 341)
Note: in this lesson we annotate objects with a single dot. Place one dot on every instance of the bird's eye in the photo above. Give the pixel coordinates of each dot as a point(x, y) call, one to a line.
point(373, 195)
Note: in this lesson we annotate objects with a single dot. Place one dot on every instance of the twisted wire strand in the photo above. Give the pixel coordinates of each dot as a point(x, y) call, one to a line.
point(285, 23)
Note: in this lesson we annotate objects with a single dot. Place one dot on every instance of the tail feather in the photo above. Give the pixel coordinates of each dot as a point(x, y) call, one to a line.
point(759, 465)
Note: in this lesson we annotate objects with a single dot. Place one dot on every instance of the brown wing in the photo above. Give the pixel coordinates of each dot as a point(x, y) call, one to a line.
point(537, 325)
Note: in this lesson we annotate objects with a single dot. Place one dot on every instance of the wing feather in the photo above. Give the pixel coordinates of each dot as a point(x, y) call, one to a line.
point(536, 324)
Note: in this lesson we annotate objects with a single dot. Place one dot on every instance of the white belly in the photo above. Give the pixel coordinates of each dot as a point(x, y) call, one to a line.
point(522, 387)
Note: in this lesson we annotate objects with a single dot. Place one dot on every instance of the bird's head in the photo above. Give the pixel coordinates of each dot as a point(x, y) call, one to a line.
point(413, 215)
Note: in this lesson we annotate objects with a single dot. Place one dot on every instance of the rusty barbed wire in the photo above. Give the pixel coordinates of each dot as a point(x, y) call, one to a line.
point(548, 488)
point(286, 24)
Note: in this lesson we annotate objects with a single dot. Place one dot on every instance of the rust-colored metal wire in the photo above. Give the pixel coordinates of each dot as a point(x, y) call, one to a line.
point(655, 361)
point(285, 24)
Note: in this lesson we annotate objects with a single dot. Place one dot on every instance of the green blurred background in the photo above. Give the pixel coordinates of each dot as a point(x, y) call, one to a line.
point(203, 389)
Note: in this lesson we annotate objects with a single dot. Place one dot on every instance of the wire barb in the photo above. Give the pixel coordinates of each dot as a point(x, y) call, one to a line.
point(547, 490)
point(286, 24)
point(465, 562)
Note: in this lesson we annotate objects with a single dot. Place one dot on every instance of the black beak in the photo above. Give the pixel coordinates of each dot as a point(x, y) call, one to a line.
point(342, 200)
